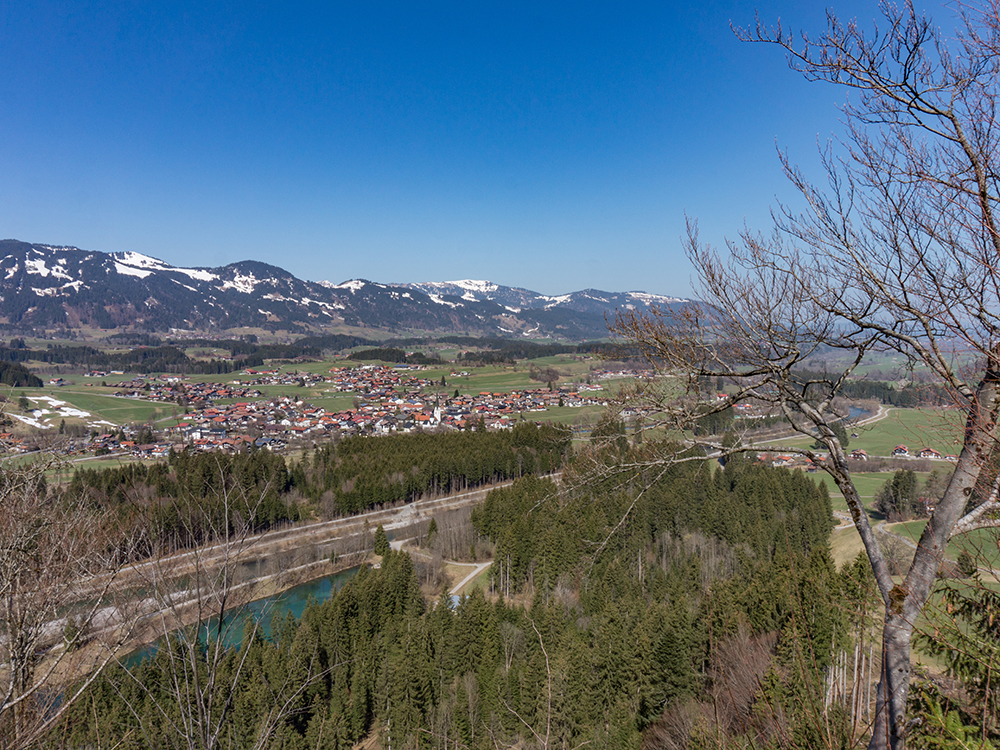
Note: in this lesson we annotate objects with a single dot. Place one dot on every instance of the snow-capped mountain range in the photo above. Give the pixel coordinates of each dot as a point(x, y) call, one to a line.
point(49, 288)
point(516, 299)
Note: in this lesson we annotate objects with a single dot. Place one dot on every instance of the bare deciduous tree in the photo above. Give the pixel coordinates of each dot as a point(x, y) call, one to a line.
point(201, 603)
point(60, 563)
point(900, 252)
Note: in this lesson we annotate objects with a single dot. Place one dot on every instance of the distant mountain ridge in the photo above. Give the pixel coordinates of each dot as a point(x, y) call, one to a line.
point(44, 287)
point(516, 299)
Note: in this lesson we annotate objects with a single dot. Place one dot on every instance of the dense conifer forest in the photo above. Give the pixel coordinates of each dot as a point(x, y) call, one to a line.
point(612, 610)
point(188, 500)
point(149, 353)
point(159, 358)
point(362, 472)
point(17, 375)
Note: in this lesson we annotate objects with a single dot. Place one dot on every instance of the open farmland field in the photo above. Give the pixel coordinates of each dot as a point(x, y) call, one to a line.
point(492, 379)
point(288, 391)
point(112, 409)
point(102, 463)
point(333, 402)
point(63, 473)
point(566, 414)
point(888, 364)
point(940, 429)
point(87, 407)
point(319, 368)
point(885, 365)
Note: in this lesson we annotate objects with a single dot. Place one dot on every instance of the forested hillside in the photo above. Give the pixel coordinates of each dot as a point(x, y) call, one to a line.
point(193, 498)
point(612, 612)
point(160, 358)
point(361, 472)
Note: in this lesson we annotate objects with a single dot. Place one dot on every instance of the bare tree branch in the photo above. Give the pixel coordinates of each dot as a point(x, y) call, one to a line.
point(898, 252)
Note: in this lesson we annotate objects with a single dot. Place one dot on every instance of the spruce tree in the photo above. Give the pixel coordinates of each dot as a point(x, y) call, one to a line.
point(381, 541)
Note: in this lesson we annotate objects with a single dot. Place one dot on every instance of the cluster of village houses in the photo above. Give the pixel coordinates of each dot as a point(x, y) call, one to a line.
point(900, 451)
point(387, 400)
point(172, 389)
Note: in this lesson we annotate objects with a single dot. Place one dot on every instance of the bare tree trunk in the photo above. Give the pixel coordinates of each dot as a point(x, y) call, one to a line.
point(855, 683)
point(889, 729)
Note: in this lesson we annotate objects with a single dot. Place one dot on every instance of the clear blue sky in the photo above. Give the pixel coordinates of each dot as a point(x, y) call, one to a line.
point(554, 146)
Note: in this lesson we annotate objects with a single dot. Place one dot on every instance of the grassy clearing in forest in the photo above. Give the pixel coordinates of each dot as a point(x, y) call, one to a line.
point(456, 573)
point(867, 485)
point(481, 581)
point(845, 545)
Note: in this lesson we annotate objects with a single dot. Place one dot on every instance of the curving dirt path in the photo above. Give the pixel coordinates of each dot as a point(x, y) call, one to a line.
point(479, 568)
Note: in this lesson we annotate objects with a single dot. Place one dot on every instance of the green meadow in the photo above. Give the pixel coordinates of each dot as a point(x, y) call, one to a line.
point(866, 484)
point(940, 429)
point(100, 406)
point(981, 544)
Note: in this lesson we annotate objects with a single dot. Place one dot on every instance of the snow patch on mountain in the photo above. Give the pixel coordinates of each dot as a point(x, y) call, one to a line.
point(32, 422)
point(471, 290)
point(37, 267)
point(320, 303)
point(654, 299)
point(560, 300)
point(180, 283)
point(240, 283)
point(130, 271)
point(195, 273)
point(474, 285)
point(141, 266)
point(354, 285)
point(138, 260)
point(436, 298)
point(55, 291)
